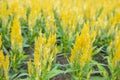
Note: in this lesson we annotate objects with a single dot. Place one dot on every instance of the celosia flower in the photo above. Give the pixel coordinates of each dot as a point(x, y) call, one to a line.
point(6, 67)
point(1, 53)
point(82, 49)
point(15, 36)
point(1, 58)
point(6, 63)
point(0, 41)
point(44, 53)
point(30, 68)
point(116, 55)
point(4, 12)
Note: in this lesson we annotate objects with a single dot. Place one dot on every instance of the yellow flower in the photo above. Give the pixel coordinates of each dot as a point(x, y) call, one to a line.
point(4, 12)
point(15, 36)
point(73, 53)
point(37, 59)
point(51, 40)
point(30, 68)
point(0, 41)
point(6, 63)
point(17, 8)
point(44, 53)
point(34, 13)
point(50, 25)
point(1, 58)
point(116, 55)
point(82, 49)
point(6, 67)
point(55, 51)
point(1, 52)
point(115, 59)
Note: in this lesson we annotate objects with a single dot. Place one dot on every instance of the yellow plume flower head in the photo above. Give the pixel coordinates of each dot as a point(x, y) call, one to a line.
point(15, 36)
point(0, 41)
point(44, 53)
point(6, 63)
point(1, 52)
point(6, 67)
point(116, 55)
point(82, 49)
point(1, 58)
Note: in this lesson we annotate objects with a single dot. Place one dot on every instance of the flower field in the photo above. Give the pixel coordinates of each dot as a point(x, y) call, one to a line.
point(59, 39)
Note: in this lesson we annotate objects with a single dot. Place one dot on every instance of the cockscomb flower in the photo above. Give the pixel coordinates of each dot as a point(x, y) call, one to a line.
point(17, 8)
point(1, 52)
point(4, 61)
point(4, 64)
point(6, 67)
point(50, 26)
point(44, 53)
point(116, 54)
point(35, 9)
point(1, 58)
point(4, 14)
point(30, 68)
point(82, 49)
point(0, 41)
point(15, 36)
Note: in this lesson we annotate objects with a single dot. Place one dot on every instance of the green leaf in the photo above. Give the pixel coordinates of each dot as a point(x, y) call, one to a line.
point(70, 70)
point(104, 71)
point(21, 75)
point(53, 73)
point(12, 77)
point(5, 50)
point(25, 79)
point(97, 51)
point(97, 78)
